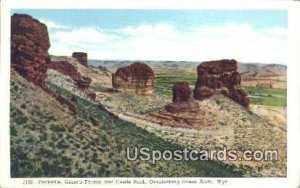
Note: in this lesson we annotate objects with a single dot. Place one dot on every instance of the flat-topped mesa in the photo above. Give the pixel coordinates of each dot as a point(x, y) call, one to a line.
point(182, 100)
point(81, 57)
point(220, 77)
point(29, 48)
point(137, 77)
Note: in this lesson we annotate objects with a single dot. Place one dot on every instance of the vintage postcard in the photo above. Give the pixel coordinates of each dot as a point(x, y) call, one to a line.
point(102, 95)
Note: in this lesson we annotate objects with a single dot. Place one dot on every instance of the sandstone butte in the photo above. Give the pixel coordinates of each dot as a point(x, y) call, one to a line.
point(81, 57)
point(182, 100)
point(220, 77)
point(29, 48)
point(137, 78)
point(30, 57)
point(29, 53)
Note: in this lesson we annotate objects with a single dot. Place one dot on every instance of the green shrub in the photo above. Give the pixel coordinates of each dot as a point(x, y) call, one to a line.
point(57, 128)
point(62, 145)
point(13, 131)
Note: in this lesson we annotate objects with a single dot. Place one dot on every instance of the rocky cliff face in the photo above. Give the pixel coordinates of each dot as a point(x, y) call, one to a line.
point(29, 48)
point(68, 69)
point(137, 77)
point(220, 77)
point(182, 100)
point(29, 53)
point(81, 57)
point(30, 58)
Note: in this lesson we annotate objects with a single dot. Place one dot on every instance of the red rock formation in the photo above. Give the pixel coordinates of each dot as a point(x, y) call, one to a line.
point(92, 95)
point(83, 83)
point(220, 77)
point(73, 98)
point(93, 121)
point(138, 77)
point(65, 68)
point(68, 69)
point(81, 57)
point(29, 48)
point(182, 100)
point(240, 96)
point(217, 67)
point(102, 107)
point(30, 58)
point(64, 101)
point(109, 90)
point(181, 92)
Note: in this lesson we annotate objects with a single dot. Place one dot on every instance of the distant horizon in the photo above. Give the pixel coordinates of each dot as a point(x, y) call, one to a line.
point(192, 61)
point(167, 35)
point(149, 60)
point(124, 60)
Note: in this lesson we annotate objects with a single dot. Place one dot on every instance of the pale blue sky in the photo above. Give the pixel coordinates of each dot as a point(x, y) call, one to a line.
point(113, 19)
point(248, 35)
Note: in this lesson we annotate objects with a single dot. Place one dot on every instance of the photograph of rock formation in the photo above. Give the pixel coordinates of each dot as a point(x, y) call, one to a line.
point(88, 86)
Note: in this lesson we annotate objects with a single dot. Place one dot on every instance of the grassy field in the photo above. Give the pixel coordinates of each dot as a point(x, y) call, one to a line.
point(262, 96)
point(267, 96)
point(164, 81)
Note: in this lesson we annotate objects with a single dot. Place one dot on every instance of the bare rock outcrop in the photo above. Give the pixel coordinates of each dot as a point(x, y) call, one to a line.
point(220, 77)
point(29, 48)
point(68, 69)
point(182, 100)
point(81, 57)
point(137, 77)
point(30, 58)
point(92, 96)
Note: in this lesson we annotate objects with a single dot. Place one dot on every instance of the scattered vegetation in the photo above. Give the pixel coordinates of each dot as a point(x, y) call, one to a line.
point(46, 141)
point(89, 151)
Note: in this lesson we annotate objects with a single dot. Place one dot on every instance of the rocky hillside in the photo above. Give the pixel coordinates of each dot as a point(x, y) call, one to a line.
point(265, 76)
point(219, 123)
point(59, 130)
point(84, 81)
point(48, 141)
point(72, 119)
